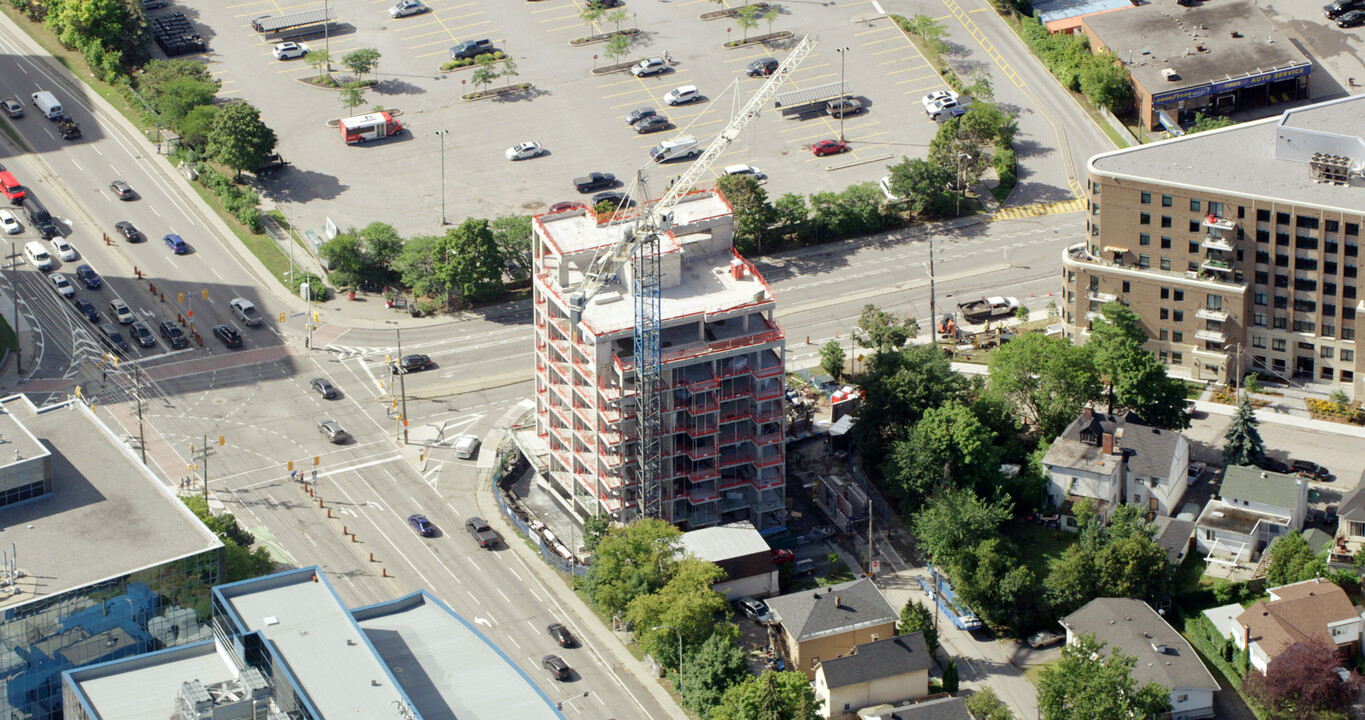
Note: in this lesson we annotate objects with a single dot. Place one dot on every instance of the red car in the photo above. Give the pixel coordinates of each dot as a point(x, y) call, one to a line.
point(829, 147)
point(781, 556)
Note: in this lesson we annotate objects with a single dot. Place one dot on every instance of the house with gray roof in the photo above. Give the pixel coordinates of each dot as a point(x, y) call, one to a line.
point(1114, 460)
point(1350, 531)
point(937, 707)
point(1163, 655)
point(1253, 508)
point(829, 622)
point(1174, 536)
point(893, 670)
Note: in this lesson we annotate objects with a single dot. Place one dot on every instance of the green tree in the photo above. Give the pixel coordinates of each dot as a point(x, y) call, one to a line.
point(923, 184)
point(716, 665)
point(484, 74)
point(792, 214)
point(949, 445)
point(616, 17)
point(1133, 567)
point(352, 95)
point(1137, 380)
point(157, 73)
point(686, 602)
point(1292, 560)
point(416, 265)
point(194, 129)
point(881, 330)
point(747, 19)
point(179, 95)
point(915, 617)
point(990, 580)
point(929, 30)
point(1242, 442)
point(509, 69)
point(617, 47)
point(1204, 122)
point(383, 245)
point(320, 60)
point(955, 518)
point(361, 61)
point(1048, 379)
point(114, 26)
point(469, 262)
point(512, 233)
point(238, 139)
point(1086, 685)
point(897, 388)
point(984, 704)
point(594, 529)
point(1252, 382)
point(981, 90)
point(241, 562)
point(753, 214)
point(631, 561)
point(950, 676)
point(590, 14)
point(1104, 82)
point(770, 16)
point(345, 254)
point(832, 359)
point(773, 695)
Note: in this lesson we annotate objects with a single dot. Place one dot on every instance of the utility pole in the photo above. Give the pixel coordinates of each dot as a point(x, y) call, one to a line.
point(402, 386)
point(442, 135)
point(137, 393)
point(14, 288)
point(202, 454)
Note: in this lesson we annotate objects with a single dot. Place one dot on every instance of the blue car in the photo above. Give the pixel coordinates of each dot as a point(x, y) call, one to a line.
point(87, 309)
point(176, 245)
point(87, 275)
point(422, 525)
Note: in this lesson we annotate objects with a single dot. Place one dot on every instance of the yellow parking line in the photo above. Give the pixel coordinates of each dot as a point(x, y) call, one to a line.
point(451, 34)
point(893, 61)
point(896, 72)
point(566, 27)
point(874, 42)
point(621, 82)
point(563, 17)
point(883, 52)
point(876, 30)
point(631, 92)
point(551, 8)
point(921, 77)
point(819, 77)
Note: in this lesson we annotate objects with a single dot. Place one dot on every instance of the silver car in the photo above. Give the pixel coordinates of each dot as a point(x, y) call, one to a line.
point(407, 7)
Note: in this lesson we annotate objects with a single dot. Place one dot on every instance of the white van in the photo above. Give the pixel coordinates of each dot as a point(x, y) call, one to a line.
point(47, 103)
point(466, 446)
point(675, 148)
point(37, 254)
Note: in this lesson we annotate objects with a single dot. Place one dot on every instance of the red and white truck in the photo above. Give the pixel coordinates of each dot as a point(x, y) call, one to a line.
point(373, 126)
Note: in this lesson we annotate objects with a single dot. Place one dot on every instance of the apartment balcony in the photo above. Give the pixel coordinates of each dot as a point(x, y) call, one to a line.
point(770, 415)
point(1217, 266)
point(730, 483)
point(701, 408)
point(734, 393)
point(768, 371)
point(1220, 354)
point(1218, 223)
point(701, 497)
point(703, 517)
point(694, 350)
point(701, 453)
point(703, 474)
point(769, 461)
point(1078, 255)
point(1211, 335)
point(771, 393)
point(1101, 297)
point(700, 430)
point(586, 414)
point(611, 459)
point(561, 346)
point(1217, 242)
point(770, 483)
point(733, 459)
point(1204, 313)
point(768, 438)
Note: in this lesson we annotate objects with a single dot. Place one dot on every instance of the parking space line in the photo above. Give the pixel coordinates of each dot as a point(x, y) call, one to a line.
point(574, 16)
point(883, 52)
point(820, 77)
point(875, 42)
point(921, 77)
point(897, 72)
point(875, 30)
point(452, 34)
point(897, 60)
point(552, 8)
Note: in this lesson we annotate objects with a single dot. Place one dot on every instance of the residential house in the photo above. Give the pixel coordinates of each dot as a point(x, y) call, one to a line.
point(1175, 536)
point(1350, 534)
point(739, 550)
point(1253, 508)
point(936, 707)
point(1115, 459)
point(1313, 610)
point(886, 671)
point(830, 621)
point(1163, 655)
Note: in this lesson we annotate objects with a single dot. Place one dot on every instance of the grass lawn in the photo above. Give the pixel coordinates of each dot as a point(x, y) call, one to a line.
point(8, 340)
point(1033, 672)
point(1044, 545)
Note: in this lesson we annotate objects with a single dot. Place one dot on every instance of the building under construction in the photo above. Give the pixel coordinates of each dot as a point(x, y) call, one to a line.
point(719, 390)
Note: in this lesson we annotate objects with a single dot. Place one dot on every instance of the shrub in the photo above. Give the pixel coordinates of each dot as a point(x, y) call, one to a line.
point(1005, 165)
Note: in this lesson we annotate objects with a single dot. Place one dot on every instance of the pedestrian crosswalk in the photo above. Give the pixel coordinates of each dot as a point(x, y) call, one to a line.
point(347, 352)
point(1037, 209)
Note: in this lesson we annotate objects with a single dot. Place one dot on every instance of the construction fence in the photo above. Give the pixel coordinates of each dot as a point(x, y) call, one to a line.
point(552, 551)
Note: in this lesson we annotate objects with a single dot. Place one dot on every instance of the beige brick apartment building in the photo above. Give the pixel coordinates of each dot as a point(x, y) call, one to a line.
point(1239, 248)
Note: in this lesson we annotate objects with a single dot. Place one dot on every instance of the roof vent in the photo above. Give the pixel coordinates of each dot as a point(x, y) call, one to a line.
point(1159, 647)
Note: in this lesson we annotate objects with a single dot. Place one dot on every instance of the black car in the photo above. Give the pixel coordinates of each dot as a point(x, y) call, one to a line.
point(617, 199)
point(86, 309)
point(130, 233)
point(562, 635)
point(1351, 19)
point(410, 363)
point(1273, 465)
point(89, 277)
point(639, 114)
point(557, 667)
point(323, 387)
point(1309, 470)
point(470, 49)
point(228, 335)
point(605, 4)
point(422, 525)
point(762, 67)
point(653, 123)
point(1341, 7)
point(142, 334)
point(174, 335)
point(113, 338)
point(594, 181)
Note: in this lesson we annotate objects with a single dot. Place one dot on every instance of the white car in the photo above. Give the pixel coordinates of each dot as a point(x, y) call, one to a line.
point(649, 66)
point(10, 223)
point(934, 97)
point(524, 150)
point(942, 105)
point(680, 95)
point(746, 169)
point(885, 185)
point(407, 7)
point(63, 249)
point(289, 50)
point(63, 285)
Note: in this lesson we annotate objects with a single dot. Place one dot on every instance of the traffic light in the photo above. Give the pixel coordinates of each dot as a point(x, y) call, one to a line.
point(317, 460)
point(115, 359)
point(281, 317)
point(315, 316)
point(222, 440)
point(206, 293)
point(180, 297)
point(78, 391)
point(291, 466)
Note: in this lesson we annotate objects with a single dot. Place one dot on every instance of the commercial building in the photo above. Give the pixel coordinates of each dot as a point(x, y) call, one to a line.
point(1238, 247)
point(101, 561)
point(1213, 58)
point(722, 373)
point(284, 646)
point(739, 550)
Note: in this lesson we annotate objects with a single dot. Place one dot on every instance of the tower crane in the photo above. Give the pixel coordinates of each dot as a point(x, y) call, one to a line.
point(641, 242)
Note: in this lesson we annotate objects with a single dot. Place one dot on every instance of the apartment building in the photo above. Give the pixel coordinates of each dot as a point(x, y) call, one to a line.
point(722, 373)
point(1239, 247)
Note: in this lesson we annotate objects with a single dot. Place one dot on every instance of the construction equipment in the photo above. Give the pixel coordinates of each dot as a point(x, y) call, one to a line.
point(641, 241)
point(68, 128)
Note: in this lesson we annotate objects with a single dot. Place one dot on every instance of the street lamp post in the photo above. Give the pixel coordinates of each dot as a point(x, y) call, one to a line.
point(402, 386)
point(560, 705)
point(679, 634)
point(843, 54)
point(442, 135)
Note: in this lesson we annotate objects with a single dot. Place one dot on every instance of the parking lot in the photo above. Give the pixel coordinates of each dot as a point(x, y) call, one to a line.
point(577, 116)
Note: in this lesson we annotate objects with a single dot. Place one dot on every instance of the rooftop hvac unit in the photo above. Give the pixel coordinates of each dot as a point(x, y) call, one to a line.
point(1327, 168)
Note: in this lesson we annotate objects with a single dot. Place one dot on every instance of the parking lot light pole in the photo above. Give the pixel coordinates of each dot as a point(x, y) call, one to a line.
point(843, 54)
point(679, 634)
point(442, 135)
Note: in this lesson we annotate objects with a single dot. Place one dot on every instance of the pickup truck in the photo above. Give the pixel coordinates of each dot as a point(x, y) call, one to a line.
point(594, 181)
point(245, 311)
point(485, 536)
point(988, 308)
